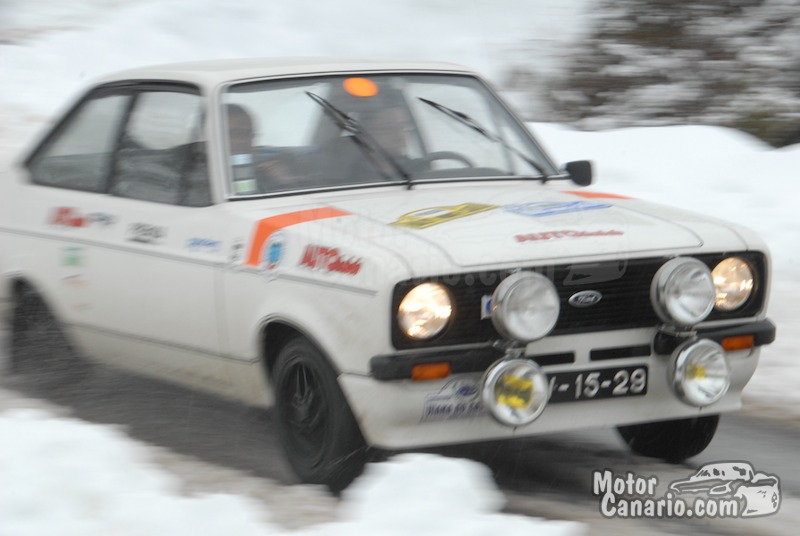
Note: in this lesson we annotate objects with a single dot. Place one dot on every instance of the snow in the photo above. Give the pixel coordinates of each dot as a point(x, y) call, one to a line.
point(149, 32)
point(87, 479)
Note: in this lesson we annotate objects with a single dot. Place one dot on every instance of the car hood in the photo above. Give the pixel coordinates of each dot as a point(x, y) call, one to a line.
point(478, 226)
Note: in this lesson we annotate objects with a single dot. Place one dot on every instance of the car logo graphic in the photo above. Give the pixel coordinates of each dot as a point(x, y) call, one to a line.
point(760, 492)
point(585, 298)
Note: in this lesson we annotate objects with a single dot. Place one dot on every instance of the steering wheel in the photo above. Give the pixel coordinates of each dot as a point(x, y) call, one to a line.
point(444, 155)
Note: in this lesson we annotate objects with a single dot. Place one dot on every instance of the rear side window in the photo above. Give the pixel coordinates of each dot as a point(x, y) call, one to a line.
point(79, 155)
point(162, 155)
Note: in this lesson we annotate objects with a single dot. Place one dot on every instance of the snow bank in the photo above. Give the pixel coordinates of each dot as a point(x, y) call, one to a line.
point(68, 477)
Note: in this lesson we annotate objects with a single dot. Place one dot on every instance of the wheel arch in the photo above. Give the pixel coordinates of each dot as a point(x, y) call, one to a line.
point(19, 284)
point(275, 332)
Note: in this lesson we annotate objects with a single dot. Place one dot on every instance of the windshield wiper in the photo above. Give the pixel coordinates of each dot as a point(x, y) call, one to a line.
point(469, 122)
point(361, 137)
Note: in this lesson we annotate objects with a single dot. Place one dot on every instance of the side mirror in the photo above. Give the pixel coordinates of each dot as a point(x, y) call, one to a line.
point(580, 171)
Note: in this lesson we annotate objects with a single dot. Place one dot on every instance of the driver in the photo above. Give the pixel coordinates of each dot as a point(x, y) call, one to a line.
point(388, 127)
point(251, 176)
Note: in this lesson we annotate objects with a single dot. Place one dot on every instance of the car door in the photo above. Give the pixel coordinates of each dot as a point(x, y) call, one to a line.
point(58, 212)
point(155, 279)
point(133, 245)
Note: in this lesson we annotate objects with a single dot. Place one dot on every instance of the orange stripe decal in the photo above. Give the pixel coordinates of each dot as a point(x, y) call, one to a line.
point(596, 195)
point(267, 226)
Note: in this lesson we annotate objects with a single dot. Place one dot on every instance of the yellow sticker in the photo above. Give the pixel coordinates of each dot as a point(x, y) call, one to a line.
point(428, 217)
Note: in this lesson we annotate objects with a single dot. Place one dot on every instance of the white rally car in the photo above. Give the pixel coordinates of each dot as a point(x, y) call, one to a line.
point(378, 249)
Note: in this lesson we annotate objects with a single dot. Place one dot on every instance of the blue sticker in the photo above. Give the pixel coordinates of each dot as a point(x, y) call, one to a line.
point(543, 208)
point(274, 250)
point(206, 244)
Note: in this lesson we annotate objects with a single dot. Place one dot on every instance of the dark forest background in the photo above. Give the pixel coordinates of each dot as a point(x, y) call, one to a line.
point(733, 63)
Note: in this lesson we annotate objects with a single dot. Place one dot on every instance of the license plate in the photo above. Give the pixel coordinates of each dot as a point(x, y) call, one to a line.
point(596, 384)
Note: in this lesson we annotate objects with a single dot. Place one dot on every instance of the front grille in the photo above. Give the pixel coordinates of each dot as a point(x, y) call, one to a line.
point(624, 284)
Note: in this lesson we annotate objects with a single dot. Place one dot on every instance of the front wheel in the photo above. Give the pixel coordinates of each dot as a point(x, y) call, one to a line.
point(672, 441)
point(320, 435)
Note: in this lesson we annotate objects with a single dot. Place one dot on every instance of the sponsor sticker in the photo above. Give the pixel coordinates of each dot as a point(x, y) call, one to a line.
point(237, 251)
point(274, 249)
point(555, 235)
point(328, 259)
point(146, 233)
point(73, 217)
point(428, 217)
point(486, 307)
point(731, 489)
point(73, 256)
point(203, 244)
point(458, 399)
point(538, 209)
point(77, 287)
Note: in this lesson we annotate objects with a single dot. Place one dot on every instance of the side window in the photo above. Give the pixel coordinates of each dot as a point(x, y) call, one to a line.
point(78, 157)
point(162, 157)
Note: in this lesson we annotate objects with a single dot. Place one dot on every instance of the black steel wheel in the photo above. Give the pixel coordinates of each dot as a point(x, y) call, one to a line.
point(38, 346)
point(320, 435)
point(672, 441)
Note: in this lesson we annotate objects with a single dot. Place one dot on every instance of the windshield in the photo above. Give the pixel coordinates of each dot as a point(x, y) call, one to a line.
point(344, 131)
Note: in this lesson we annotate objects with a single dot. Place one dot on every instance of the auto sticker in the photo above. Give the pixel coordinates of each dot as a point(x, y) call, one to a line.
point(553, 235)
point(537, 209)
point(145, 233)
point(237, 251)
point(73, 256)
point(266, 226)
point(77, 291)
point(328, 259)
point(207, 245)
point(73, 217)
point(428, 217)
point(274, 250)
point(458, 399)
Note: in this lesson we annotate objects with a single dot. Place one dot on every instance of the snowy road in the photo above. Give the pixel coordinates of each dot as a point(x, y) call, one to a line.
point(215, 446)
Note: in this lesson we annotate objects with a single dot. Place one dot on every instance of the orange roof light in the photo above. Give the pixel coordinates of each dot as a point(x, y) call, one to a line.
point(431, 371)
point(360, 87)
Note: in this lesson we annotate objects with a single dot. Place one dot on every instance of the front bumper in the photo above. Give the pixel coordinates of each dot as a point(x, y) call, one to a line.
point(395, 412)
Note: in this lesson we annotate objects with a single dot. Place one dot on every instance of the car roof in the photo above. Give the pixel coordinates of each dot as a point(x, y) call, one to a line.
point(215, 72)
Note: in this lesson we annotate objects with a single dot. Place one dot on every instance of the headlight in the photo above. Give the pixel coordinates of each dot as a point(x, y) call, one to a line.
point(700, 372)
point(683, 292)
point(425, 311)
point(525, 306)
point(733, 280)
point(515, 391)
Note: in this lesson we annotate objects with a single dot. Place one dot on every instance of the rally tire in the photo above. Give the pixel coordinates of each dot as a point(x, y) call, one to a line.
point(671, 441)
point(319, 433)
point(38, 346)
